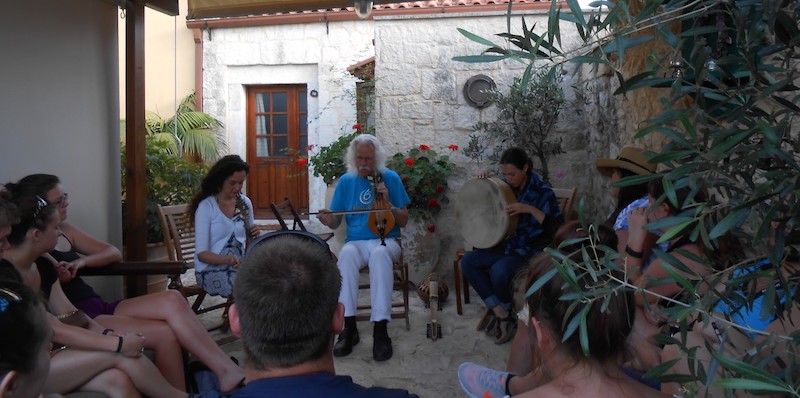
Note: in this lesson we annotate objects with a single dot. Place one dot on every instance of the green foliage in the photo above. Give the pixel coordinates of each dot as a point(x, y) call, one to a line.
point(424, 174)
point(328, 162)
point(170, 180)
point(736, 65)
point(188, 132)
point(526, 117)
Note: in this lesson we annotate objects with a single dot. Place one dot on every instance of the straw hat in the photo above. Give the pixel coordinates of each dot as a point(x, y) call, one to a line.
point(629, 158)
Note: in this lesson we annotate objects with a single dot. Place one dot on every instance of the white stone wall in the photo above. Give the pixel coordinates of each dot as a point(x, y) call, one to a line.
point(419, 96)
point(419, 91)
point(310, 54)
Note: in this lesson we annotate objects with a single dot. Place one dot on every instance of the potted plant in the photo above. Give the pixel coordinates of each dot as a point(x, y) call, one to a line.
point(424, 173)
point(171, 180)
point(328, 161)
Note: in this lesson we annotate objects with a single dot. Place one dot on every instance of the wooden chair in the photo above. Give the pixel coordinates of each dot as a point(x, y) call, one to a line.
point(284, 210)
point(399, 308)
point(179, 238)
point(566, 199)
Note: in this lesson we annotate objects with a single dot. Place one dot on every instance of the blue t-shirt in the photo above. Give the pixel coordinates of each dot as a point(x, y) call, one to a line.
point(316, 385)
point(745, 313)
point(355, 193)
point(621, 223)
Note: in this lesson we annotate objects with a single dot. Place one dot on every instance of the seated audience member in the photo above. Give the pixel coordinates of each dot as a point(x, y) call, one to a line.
point(491, 271)
point(24, 340)
point(746, 336)
point(560, 367)
point(630, 162)
point(85, 359)
point(223, 223)
point(287, 313)
point(165, 318)
point(655, 279)
point(8, 217)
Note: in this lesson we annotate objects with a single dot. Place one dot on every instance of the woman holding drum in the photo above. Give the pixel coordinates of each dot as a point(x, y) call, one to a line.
point(491, 270)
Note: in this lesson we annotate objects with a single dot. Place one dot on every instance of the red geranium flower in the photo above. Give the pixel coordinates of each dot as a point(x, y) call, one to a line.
point(424, 147)
point(453, 147)
point(433, 203)
point(431, 228)
point(309, 147)
point(409, 162)
point(439, 188)
point(302, 162)
point(357, 126)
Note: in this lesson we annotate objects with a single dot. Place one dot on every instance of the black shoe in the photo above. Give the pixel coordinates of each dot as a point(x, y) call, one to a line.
point(344, 345)
point(381, 348)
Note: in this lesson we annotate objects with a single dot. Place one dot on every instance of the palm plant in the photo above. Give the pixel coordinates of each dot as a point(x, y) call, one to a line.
point(188, 132)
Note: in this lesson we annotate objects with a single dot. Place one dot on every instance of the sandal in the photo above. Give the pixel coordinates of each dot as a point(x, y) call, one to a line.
point(493, 326)
point(507, 327)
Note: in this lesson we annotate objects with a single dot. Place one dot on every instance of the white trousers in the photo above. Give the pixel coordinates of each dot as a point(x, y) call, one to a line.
point(358, 254)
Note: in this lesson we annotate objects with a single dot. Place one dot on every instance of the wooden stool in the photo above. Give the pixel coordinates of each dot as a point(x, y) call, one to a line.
point(460, 280)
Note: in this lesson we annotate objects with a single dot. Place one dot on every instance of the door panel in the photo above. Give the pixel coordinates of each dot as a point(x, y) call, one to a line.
point(276, 130)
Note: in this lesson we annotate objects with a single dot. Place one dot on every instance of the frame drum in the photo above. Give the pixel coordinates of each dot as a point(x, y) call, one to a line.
point(481, 210)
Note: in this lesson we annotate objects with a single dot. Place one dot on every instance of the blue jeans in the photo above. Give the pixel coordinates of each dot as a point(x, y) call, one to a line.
point(493, 286)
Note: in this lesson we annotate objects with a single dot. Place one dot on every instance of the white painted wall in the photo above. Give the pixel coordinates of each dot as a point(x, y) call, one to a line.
point(59, 105)
point(169, 60)
point(289, 54)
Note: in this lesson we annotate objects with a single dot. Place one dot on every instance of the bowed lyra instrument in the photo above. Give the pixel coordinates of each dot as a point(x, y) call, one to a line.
point(381, 219)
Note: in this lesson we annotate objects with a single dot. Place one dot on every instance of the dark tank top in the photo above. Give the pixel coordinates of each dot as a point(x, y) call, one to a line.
point(76, 290)
point(48, 275)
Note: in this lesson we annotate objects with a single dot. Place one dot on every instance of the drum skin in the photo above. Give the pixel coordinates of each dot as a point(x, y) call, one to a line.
point(481, 208)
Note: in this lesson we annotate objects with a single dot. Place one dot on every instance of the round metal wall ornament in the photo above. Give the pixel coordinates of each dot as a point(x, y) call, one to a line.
point(475, 90)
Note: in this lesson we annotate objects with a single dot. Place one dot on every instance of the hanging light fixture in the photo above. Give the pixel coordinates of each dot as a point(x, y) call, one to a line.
point(363, 8)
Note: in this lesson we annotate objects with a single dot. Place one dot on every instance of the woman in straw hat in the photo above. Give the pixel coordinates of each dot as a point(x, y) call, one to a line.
point(630, 161)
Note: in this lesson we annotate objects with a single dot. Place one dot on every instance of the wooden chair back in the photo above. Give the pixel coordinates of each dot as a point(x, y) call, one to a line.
point(566, 199)
point(178, 233)
point(179, 236)
point(285, 210)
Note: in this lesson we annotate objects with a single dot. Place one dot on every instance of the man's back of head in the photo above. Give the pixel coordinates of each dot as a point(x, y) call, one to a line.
point(286, 294)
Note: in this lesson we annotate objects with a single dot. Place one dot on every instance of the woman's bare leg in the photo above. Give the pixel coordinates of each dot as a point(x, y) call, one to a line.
point(171, 307)
point(70, 369)
point(114, 383)
point(159, 338)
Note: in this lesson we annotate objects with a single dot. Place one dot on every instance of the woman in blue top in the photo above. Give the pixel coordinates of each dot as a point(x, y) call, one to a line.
point(490, 271)
point(223, 221)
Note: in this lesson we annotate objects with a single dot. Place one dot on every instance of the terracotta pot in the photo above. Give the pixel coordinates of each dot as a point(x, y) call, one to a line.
point(157, 252)
point(420, 250)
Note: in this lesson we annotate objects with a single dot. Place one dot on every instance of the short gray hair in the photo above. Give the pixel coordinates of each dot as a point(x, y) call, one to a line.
point(287, 291)
point(365, 139)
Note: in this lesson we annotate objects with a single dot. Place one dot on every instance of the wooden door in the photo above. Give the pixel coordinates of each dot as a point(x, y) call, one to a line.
point(277, 129)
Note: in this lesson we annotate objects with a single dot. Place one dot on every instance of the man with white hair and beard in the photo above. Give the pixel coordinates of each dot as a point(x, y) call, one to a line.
point(365, 158)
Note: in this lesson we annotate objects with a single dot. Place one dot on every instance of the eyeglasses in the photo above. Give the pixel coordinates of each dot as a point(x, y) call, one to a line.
point(62, 201)
point(5, 296)
point(40, 204)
